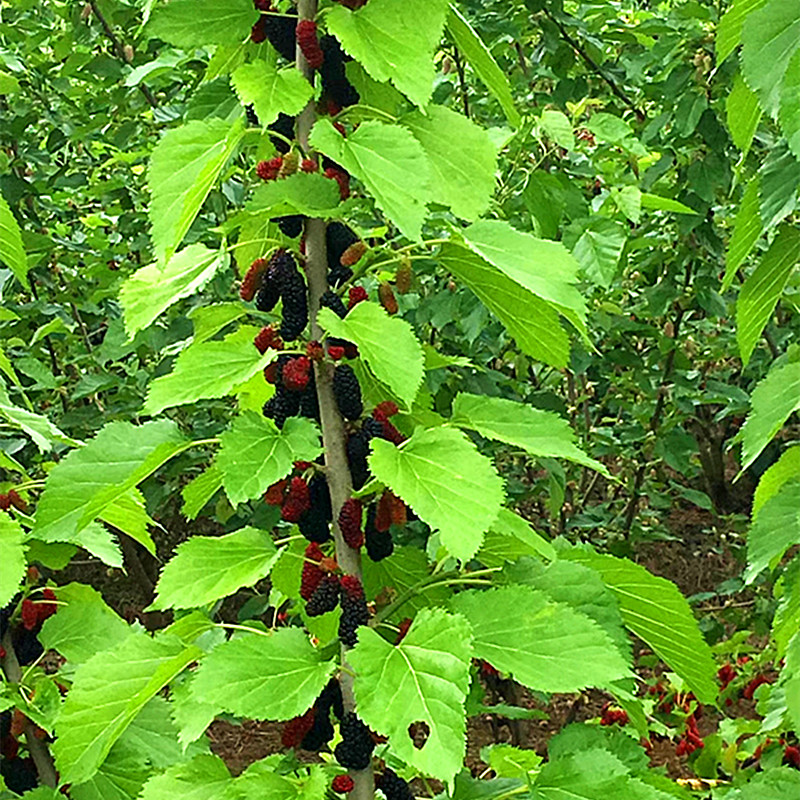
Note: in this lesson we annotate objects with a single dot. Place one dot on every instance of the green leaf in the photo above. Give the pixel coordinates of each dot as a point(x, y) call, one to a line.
point(747, 230)
point(775, 529)
point(656, 202)
point(540, 433)
point(763, 288)
point(99, 542)
point(532, 322)
point(8, 83)
point(12, 565)
point(785, 468)
point(254, 453)
point(263, 676)
point(154, 288)
point(128, 514)
point(208, 369)
point(312, 195)
point(387, 158)
point(654, 610)
point(778, 783)
point(394, 40)
point(192, 23)
point(184, 166)
point(12, 251)
point(108, 692)
point(510, 525)
point(44, 434)
point(544, 267)
point(743, 113)
point(200, 490)
point(451, 486)
point(615, 131)
point(593, 774)
point(271, 90)
point(208, 568)
point(556, 126)
point(387, 344)
point(425, 678)
point(599, 249)
point(789, 112)
point(482, 62)
point(729, 31)
point(546, 646)
point(780, 178)
point(83, 626)
point(92, 477)
point(205, 777)
point(770, 36)
point(462, 177)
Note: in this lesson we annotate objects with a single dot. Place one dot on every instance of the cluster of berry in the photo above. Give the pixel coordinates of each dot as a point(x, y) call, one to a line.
point(308, 503)
point(610, 715)
point(11, 498)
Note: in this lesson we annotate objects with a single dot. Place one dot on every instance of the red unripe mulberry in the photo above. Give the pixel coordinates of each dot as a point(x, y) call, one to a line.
point(267, 338)
point(297, 373)
point(306, 34)
point(274, 495)
point(298, 500)
point(384, 410)
point(312, 571)
point(342, 784)
point(353, 254)
point(356, 295)
point(387, 298)
point(350, 523)
point(342, 178)
point(336, 352)
point(295, 730)
point(269, 170)
point(309, 165)
point(252, 279)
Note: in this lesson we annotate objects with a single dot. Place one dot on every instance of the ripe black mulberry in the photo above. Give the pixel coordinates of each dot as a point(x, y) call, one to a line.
point(347, 392)
point(355, 749)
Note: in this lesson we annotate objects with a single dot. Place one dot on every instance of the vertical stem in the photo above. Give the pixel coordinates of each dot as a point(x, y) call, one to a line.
point(333, 431)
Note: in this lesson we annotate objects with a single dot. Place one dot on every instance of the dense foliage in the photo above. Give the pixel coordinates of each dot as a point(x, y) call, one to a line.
point(374, 340)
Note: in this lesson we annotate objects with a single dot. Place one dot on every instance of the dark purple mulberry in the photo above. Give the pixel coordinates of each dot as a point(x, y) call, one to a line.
point(355, 749)
point(325, 597)
point(347, 392)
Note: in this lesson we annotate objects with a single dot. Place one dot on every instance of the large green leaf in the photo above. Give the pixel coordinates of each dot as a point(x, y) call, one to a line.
point(271, 90)
point(309, 194)
point(192, 23)
point(540, 433)
point(784, 469)
point(546, 646)
point(12, 251)
point(208, 568)
point(254, 453)
point(205, 777)
point(263, 676)
point(654, 609)
point(127, 513)
point(763, 289)
point(154, 288)
point(743, 114)
point(184, 166)
point(387, 158)
point(394, 40)
point(43, 433)
point(462, 177)
point(747, 228)
point(387, 344)
point(774, 399)
point(109, 690)
point(729, 31)
point(447, 482)
point(92, 477)
point(789, 112)
point(598, 250)
point(544, 267)
point(513, 527)
point(482, 61)
point(770, 36)
point(778, 783)
point(424, 678)
point(775, 529)
point(12, 565)
point(83, 625)
point(533, 323)
point(200, 490)
point(208, 369)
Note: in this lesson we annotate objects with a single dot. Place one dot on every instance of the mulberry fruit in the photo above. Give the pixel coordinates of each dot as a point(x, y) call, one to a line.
point(393, 786)
point(275, 493)
point(325, 597)
point(357, 448)
point(332, 301)
point(295, 730)
point(312, 571)
point(267, 296)
point(356, 295)
point(291, 225)
point(34, 613)
point(347, 392)
point(281, 406)
point(320, 734)
point(314, 524)
point(283, 269)
point(391, 511)
point(342, 784)
point(387, 298)
point(353, 254)
point(334, 78)
point(350, 523)
point(258, 33)
point(354, 612)
point(252, 279)
point(342, 178)
point(355, 749)
point(336, 352)
point(290, 165)
point(404, 278)
point(297, 502)
point(269, 170)
point(296, 374)
point(378, 544)
point(250, 114)
point(314, 351)
point(284, 128)
point(309, 402)
point(267, 338)
point(280, 32)
point(338, 237)
point(306, 35)
point(309, 165)
point(330, 699)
